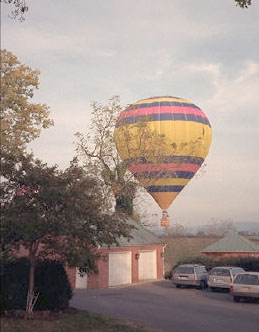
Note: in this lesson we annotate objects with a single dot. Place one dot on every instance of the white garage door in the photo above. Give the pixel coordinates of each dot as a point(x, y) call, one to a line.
point(81, 281)
point(119, 268)
point(147, 265)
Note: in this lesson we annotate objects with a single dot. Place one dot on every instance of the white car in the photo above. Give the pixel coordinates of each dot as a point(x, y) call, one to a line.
point(245, 285)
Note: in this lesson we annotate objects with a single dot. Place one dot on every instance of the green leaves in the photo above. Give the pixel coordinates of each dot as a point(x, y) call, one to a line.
point(64, 210)
point(21, 119)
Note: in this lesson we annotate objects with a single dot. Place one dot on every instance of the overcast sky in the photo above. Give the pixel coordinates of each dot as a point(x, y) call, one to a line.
point(206, 51)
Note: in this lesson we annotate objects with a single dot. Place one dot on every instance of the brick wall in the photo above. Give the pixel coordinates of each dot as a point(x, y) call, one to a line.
point(101, 280)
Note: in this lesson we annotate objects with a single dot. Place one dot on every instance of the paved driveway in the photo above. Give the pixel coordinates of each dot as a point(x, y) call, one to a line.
point(160, 305)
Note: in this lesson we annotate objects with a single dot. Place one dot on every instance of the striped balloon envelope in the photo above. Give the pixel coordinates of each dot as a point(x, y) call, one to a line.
point(164, 141)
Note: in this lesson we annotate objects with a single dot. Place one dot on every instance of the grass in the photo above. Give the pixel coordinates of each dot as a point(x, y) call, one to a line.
point(74, 322)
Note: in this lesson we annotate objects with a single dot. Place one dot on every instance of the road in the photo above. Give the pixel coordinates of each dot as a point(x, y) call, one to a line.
point(160, 305)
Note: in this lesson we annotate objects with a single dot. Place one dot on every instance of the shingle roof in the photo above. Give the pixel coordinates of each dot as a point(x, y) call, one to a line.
point(232, 242)
point(140, 236)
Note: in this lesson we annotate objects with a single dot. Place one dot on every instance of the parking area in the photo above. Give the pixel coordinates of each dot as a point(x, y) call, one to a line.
point(161, 305)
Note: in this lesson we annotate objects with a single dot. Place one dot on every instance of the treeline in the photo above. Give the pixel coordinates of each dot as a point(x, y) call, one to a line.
point(247, 263)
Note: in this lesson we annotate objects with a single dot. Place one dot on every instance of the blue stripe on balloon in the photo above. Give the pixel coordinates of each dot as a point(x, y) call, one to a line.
point(155, 189)
point(161, 104)
point(163, 117)
point(164, 174)
point(166, 160)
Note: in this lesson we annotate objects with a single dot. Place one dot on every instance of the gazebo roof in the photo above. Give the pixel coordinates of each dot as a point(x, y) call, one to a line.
point(232, 242)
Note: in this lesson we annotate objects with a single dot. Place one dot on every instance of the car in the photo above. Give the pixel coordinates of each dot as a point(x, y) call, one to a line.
point(245, 285)
point(221, 277)
point(190, 275)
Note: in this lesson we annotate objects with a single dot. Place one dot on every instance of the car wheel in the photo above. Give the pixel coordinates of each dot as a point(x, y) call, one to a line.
point(236, 299)
point(212, 289)
point(178, 286)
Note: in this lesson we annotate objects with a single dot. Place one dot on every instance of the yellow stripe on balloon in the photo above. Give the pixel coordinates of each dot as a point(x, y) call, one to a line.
point(164, 199)
point(163, 181)
point(160, 99)
point(176, 138)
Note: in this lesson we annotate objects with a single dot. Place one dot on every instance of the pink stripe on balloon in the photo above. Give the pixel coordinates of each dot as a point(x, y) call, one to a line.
point(162, 109)
point(163, 168)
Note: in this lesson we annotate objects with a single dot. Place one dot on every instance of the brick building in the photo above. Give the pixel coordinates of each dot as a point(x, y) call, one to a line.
point(140, 258)
point(232, 245)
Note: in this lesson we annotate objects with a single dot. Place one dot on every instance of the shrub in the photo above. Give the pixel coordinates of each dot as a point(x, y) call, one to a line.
point(50, 281)
point(247, 263)
point(14, 285)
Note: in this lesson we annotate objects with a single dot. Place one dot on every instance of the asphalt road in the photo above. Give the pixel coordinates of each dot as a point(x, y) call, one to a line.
point(160, 305)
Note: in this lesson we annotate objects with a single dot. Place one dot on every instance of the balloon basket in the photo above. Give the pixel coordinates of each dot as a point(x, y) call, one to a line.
point(165, 219)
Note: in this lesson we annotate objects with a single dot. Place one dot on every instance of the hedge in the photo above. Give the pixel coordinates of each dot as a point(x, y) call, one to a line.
point(50, 281)
point(247, 263)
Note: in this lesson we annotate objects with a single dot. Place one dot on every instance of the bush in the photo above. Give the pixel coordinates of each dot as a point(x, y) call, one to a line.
point(247, 263)
point(14, 284)
point(50, 281)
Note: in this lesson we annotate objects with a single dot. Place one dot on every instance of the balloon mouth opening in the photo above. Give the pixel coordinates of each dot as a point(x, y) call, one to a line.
point(165, 219)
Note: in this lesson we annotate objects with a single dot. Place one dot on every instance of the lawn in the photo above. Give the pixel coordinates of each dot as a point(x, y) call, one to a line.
point(74, 322)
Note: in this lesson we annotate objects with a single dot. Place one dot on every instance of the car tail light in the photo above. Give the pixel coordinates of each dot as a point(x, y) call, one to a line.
point(231, 289)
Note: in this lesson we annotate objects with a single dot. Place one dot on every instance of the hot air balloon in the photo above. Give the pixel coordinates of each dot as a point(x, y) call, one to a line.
point(164, 141)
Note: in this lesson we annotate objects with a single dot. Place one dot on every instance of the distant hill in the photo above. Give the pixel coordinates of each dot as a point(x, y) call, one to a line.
point(248, 227)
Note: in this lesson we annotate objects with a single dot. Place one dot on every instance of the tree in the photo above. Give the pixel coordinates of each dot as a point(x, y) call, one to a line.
point(20, 8)
point(55, 213)
point(21, 120)
point(97, 150)
point(217, 228)
point(243, 3)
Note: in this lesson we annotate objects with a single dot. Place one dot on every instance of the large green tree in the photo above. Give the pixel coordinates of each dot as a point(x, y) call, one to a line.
point(53, 212)
point(21, 119)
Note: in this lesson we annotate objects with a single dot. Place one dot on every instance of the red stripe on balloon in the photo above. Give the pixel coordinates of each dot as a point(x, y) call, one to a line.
point(163, 109)
point(163, 168)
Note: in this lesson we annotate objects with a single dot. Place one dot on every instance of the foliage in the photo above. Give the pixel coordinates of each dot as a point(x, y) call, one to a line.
point(97, 150)
point(247, 263)
point(20, 8)
point(243, 3)
point(53, 286)
point(51, 283)
point(21, 120)
point(218, 228)
point(14, 284)
point(53, 212)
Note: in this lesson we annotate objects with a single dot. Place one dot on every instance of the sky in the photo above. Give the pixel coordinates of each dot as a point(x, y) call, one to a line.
point(203, 51)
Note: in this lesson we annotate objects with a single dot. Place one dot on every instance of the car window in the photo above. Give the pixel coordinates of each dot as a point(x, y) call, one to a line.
point(247, 279)
point(184, 269)
point(200, 269)
point(220, 272)
point(236, 271)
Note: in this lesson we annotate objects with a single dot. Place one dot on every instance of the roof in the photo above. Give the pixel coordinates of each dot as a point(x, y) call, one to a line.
point(232, 242)
point(140, 236)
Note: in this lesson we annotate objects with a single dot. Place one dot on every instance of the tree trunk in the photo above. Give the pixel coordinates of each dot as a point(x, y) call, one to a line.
point(31, 299)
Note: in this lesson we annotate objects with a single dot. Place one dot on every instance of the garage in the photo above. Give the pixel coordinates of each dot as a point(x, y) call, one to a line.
point(147, 265)
point(119, 268)
point(81, 281)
